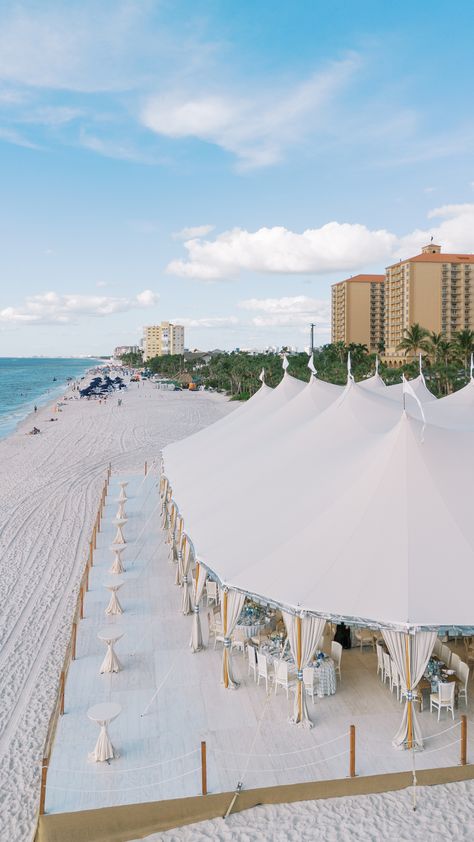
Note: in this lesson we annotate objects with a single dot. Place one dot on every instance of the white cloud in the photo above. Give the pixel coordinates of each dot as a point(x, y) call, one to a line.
point(111, 149)
point(208, 321)
point(335, 247)
point(53, 308)
point(256, 130)
point(80, 47)
point(449, 211)
point(297, 310)
point(17, 139)
point(193, 231)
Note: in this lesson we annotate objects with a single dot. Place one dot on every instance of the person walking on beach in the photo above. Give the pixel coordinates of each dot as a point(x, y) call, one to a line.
point(36, 408)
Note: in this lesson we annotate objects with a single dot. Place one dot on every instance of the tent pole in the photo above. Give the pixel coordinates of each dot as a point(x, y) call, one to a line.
point(410, 741)
point(298, 657)
point(224, 626)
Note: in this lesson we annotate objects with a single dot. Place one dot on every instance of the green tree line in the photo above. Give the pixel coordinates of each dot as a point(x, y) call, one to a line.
point(446, 365)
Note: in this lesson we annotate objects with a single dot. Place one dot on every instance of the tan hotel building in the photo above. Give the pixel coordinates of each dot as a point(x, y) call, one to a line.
point(432, 289)
point(159, 340)
point(357, 311)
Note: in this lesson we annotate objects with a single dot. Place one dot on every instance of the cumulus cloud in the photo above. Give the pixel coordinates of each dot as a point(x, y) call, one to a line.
point(193, 231)
point(449, 211)
point(53, 308)
point(334, 247)
point(255, 129)
point(290, 311)
point(208, 321)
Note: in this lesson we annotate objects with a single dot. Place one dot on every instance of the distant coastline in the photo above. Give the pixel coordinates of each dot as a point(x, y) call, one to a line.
point(26, 382)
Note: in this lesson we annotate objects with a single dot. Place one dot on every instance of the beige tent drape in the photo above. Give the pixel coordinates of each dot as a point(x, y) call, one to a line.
point(199, 582)
point(177, 550)
point(186, 582)
point(411, 653)
point(304, 633)
point(231, 605)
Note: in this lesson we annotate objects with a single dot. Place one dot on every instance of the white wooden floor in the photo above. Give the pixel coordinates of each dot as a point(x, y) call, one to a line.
point(172, 699)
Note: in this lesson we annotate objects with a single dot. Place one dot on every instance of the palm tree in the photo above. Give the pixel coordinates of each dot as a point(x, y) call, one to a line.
point(464, 345)
point(440, 348)
point(415, 340)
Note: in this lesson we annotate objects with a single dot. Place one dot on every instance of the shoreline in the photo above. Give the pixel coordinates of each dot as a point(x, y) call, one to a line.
point(42, 401)
point(47, 407)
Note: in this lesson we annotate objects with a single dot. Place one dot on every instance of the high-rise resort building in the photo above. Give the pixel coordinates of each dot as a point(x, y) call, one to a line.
point(357, 311)
point(432, 289)
point(159, 340)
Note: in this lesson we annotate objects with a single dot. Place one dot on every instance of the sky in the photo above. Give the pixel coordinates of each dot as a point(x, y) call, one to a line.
point(220, 164)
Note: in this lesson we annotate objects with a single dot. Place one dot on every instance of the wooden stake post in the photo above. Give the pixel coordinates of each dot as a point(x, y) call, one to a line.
point(352, 754)
point(73, 641)
point(62, 681)
point(203, 768)
point(44, 774)
point(463, 739)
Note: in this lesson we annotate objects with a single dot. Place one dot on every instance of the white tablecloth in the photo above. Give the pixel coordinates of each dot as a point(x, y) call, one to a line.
point(324, 672)
point(325, 678)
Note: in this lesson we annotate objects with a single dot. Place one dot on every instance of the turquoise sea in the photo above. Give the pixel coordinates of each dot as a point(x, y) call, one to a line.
point(25, 382)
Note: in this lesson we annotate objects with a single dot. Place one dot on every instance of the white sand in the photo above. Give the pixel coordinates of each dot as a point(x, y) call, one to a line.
point(443, 812)
point(49, 491)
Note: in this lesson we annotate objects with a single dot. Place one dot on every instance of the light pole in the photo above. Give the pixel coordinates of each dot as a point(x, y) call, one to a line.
point(312, 326)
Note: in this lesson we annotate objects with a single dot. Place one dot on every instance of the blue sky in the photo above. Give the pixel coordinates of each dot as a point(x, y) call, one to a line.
point(221, 164)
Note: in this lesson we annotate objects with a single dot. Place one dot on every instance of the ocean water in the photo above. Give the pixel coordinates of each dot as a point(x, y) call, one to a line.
point(25, 382)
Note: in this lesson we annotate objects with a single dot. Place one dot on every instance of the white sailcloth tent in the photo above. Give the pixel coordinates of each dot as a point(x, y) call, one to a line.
point(338, 503)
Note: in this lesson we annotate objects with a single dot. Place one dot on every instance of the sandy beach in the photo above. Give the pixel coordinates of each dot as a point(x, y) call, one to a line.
point(48, 501)
point(443, 812)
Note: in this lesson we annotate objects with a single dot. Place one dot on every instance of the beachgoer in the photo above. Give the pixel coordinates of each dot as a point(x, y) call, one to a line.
point(36, 408)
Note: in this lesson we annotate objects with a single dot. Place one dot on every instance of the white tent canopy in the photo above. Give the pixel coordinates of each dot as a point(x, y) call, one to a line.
point(336, 501)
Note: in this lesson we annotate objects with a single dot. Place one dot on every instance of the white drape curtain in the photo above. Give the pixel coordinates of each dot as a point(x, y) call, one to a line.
point(411, 653)
point(186, 582)
point(231, 605)
point(196, 632)
point(179, 547)
point(310, 631)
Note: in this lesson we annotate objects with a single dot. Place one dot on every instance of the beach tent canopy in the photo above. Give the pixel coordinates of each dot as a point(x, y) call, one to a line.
point(337, 501)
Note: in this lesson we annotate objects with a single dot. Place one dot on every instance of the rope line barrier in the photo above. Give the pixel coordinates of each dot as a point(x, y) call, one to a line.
point(281, 754)
point(126, 789)
point(124, 771)
point(456, 725)
point(290, 768)
point(440, 748)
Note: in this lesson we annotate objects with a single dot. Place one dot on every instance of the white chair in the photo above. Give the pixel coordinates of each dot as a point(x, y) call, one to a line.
point(387, 669)
point(462, 672)
point(437, 648)
point(444, 698)
point(445, 655)
point(365, 637)
point(455, 661)
point(239, 640)
point(469, 649)
point(395, 675)
point(215, 628)
point(211, 592)
point(262, 669)
point(252, 661)
point(308, 681)
point(336, 655)
point(282, 678)
point(379, 650)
